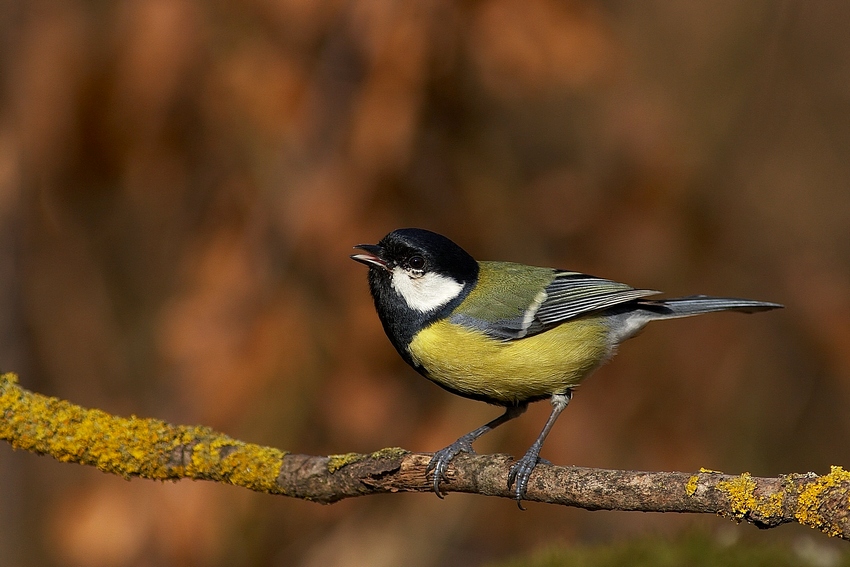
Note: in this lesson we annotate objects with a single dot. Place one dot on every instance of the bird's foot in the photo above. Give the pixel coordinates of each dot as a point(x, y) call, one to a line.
point(521, 472)
point(440, 461)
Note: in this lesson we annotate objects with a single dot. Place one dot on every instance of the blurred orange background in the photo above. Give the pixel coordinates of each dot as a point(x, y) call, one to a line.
point(181, 184)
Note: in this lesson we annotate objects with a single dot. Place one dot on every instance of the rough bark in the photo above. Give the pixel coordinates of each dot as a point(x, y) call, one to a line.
point(154, 449)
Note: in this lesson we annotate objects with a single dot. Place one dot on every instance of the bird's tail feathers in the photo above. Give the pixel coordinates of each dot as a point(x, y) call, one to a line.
point(628, 322)
point(698, 304)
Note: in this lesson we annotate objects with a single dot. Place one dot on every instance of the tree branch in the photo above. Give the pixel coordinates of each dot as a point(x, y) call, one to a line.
point(154, 449)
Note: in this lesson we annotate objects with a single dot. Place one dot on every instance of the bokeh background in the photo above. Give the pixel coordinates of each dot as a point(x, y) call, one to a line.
point(181, 183)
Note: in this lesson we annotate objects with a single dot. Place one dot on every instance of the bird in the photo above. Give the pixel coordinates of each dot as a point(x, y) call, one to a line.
point(505, 333)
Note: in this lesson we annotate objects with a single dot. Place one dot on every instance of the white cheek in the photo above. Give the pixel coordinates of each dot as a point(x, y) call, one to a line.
point(427, 292)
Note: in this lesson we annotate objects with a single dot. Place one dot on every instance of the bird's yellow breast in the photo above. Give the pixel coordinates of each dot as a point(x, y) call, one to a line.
point(471, 363)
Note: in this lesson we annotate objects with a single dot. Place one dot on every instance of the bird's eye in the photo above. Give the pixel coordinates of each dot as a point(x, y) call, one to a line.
point(416, 262)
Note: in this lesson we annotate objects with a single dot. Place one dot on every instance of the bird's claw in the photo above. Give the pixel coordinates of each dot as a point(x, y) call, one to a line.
point(439, 463)
point(520, 473)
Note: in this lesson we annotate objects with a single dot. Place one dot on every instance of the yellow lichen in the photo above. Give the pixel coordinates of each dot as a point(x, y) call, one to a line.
point(811, 498)
point(771, 506)
point(389, 453)
point(741, 494)
point(253, 466)
point(691, 486)
point(693, 482)
point(705, 470)
point(336, 462)
point(132, 446)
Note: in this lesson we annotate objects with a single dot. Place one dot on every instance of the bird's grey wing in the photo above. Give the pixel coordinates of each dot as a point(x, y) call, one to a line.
point(572, 294)
point(567, 295)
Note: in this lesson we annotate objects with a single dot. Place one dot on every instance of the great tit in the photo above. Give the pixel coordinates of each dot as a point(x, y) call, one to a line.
point(505, 333)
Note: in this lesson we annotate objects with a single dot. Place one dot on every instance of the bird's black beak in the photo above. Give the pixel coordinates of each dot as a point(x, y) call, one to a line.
point(372, 258)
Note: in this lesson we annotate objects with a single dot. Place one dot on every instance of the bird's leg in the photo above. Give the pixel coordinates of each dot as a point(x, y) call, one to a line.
point(521, 470)
point(441, 459)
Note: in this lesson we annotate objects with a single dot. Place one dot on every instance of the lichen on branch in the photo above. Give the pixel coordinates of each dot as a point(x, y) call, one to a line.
point(131, 446)
point(154, 449)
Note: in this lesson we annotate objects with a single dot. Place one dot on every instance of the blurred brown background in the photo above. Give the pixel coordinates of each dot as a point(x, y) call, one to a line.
point(181, 184)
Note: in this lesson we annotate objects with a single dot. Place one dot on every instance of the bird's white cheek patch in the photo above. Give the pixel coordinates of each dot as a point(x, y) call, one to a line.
point(427, 292)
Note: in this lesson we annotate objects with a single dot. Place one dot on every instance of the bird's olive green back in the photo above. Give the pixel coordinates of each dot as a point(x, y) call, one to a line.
point(505, 290)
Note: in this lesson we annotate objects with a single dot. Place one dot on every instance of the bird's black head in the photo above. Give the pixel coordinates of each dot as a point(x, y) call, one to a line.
point(416, 277)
